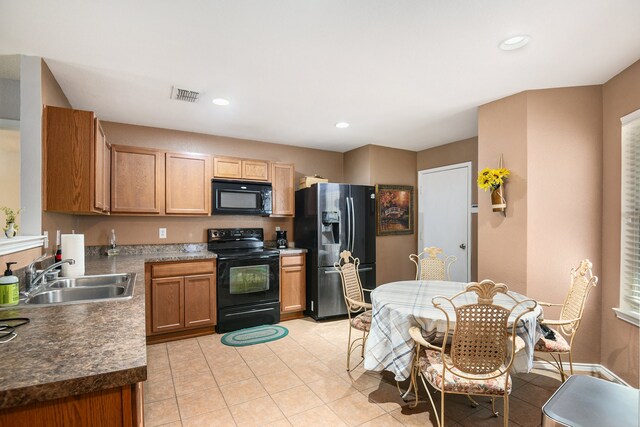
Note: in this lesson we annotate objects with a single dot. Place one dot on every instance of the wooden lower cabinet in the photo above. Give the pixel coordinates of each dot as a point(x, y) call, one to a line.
point(167, 304)
point(200, 300)
point(115, 407)
point(293, 286)
point(180, 299)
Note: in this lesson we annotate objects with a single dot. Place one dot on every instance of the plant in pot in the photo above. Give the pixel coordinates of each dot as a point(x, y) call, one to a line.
point(494, 179)
point(11, 227)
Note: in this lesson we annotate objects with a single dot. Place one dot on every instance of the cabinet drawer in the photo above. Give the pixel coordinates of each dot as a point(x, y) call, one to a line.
point(182, 269)
point(290, 260)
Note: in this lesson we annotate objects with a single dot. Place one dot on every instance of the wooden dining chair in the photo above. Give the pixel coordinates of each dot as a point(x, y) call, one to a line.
point(432, 264)
point(582, 282)
point(358, 310)
point(479, 359)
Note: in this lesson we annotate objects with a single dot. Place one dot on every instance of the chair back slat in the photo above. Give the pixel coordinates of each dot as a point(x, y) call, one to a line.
point(431, 264)
point(481, 333)
point(479, 342)
point(351, 285)
point(432, 269)
point(582, 281)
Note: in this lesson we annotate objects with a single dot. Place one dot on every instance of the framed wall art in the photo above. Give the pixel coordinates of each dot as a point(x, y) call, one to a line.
point(394, 209)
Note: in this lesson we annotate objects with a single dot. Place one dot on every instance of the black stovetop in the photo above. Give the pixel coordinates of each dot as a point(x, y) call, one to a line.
point(238, 243)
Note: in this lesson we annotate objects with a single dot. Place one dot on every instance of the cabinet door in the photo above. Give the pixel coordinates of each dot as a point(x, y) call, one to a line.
point(106, 176)
point(200, 300)
point(292, 288)
point(137, 179)
point(98, 171)
point(282, 178)
point(255, 169)
point(188, 185)
point(227, 167)
point(167, 304)
point(68, 159)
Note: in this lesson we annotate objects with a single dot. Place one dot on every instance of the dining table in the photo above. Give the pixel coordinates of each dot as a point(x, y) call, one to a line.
point(398, 306)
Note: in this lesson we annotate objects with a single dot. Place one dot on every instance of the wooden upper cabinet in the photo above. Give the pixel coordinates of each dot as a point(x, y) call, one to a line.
point(188, 185)
point(106, 175)
point(282, 178)
point(102, 171)
point(255, 169)
point(226, 167)
point(233, 168)
point(74, 166)
point(137, 180)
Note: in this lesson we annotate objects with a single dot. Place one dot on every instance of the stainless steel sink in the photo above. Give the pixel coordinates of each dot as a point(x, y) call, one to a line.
point(101, 280)
point(85, 289)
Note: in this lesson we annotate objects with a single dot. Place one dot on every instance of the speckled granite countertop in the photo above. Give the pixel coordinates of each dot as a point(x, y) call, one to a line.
point(80, 348)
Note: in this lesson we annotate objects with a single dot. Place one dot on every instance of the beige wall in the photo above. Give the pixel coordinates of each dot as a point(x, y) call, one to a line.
point(564, 201)
point(620, 96)
point(10, 169)
point(371, 165)
point(53, 95)
point(22, 258)
point(357, 168)
point(462, 151)
point(502, 240)
point(141, 230)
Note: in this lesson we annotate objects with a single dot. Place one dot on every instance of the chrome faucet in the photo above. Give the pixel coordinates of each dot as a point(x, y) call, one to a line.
point(31, 272)
point(32, 278)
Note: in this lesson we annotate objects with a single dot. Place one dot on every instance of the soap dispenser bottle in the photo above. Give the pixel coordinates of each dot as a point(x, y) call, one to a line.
point(9, 288)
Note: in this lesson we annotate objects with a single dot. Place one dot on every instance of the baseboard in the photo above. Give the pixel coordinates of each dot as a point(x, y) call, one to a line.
point(590, 368)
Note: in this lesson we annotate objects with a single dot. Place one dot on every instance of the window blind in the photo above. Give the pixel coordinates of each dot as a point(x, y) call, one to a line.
point(630, 230)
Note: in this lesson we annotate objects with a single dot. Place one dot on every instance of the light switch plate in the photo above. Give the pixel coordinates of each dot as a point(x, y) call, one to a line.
point(46, 239)
point(162, 233)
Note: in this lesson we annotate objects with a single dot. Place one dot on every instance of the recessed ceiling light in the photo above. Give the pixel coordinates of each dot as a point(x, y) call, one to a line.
point(342, 125)
point(515, 42)
point(220, 101)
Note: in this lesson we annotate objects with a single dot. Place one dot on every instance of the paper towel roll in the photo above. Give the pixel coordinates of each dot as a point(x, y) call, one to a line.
point(73, 247)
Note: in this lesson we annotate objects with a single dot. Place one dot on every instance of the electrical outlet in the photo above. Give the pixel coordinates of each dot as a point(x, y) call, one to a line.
point(46, 239)
point(163, 233)
point(277, 228)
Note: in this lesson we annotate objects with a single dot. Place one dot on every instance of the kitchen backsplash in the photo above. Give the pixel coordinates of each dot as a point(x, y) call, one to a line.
point(147, 249)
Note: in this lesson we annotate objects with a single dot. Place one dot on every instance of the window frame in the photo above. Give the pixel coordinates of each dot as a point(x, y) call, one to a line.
point(624, 311)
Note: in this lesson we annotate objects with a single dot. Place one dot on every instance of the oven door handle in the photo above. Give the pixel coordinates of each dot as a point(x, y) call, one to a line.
point(249, 311)
point(248, 257)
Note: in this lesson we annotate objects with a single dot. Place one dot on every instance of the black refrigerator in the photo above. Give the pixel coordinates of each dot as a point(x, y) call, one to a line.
point(331, 218)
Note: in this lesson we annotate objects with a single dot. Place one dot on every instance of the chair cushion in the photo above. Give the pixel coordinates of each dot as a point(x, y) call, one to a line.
point(559, 345)
point(362, 321)
point(431, 366)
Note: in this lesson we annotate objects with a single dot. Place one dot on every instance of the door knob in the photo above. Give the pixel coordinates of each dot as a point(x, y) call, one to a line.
point(463, 246)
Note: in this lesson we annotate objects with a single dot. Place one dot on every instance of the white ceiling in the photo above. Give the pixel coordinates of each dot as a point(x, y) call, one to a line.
point(405, 74)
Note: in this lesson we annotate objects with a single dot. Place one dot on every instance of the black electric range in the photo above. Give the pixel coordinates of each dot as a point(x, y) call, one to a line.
point(248, 278)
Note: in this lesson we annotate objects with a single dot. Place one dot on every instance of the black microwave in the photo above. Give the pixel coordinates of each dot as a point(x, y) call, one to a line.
point(240, 197)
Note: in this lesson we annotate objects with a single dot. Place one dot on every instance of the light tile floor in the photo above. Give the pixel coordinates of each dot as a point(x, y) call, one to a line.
point(301, 380)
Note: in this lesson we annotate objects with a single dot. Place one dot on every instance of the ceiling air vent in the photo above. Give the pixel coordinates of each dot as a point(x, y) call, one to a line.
point(184, 94)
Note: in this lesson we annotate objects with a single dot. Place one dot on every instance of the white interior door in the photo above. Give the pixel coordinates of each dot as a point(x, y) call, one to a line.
point(444, 214)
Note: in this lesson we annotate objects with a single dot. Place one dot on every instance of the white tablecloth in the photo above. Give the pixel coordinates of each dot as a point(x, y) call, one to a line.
point(398, 306)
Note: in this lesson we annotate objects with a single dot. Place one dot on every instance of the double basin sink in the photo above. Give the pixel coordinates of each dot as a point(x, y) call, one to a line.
point(85, 289)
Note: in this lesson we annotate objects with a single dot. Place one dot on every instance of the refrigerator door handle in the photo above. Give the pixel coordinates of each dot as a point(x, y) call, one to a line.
point(353, 222)
point(349, 224)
